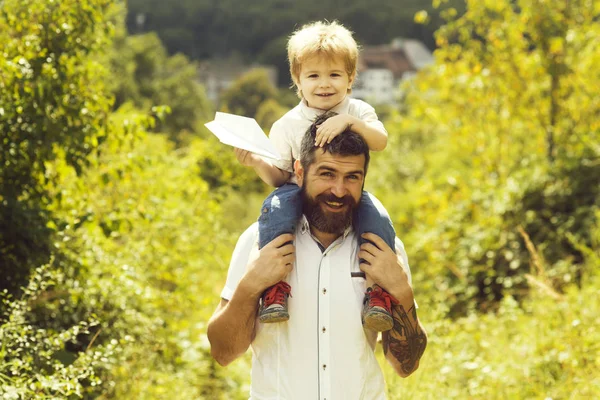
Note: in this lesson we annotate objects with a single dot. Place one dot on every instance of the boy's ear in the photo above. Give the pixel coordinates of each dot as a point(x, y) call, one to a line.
point(299, 171)
point(351, 80)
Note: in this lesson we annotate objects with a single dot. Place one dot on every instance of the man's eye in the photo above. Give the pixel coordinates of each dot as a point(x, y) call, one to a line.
point(353, 177)
point(327, 174)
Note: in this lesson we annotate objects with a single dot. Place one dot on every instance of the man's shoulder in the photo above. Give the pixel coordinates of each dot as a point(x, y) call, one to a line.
point(250, 234)
point(246, 241)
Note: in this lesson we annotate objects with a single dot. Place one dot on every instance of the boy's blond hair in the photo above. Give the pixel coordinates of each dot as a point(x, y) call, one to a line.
point(324, 39)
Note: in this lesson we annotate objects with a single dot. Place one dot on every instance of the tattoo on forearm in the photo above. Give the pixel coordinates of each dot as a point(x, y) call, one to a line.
point(406, 340)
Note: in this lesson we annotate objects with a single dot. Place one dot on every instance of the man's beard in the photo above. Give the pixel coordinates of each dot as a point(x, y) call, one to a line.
point(327, 221)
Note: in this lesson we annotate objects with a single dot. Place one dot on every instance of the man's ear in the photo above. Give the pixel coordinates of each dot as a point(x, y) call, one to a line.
point(299, 171)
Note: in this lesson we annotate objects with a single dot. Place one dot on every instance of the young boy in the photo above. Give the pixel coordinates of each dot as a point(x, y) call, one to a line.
point(322, 58)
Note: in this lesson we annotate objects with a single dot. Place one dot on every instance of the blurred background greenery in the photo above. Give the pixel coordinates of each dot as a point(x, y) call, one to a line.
point(119, 211)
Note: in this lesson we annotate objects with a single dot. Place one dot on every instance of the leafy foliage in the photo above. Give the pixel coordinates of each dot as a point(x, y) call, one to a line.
point(542, 348)
point(75, 198)
point(35, 360)
point(115, 242)
point(147, 76)
point(52, 104)
point(205, 29)
point(491, 141)
point(246, 94)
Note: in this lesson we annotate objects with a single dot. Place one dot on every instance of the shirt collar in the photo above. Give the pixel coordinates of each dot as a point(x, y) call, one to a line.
point(312, 113)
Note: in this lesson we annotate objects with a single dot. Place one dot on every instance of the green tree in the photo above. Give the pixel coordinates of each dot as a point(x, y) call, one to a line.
point(268, 112)
point(54, 110)
point(147, 76)
point(52, 105)
point(504, 128)
point(205, 28)
point(111, 243)
point(248, 92)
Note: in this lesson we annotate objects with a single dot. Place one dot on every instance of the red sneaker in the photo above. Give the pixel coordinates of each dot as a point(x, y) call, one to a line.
point(273, 305)
point(377, 309)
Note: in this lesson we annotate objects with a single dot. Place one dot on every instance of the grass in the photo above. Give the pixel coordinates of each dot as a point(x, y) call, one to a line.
point(543, 349)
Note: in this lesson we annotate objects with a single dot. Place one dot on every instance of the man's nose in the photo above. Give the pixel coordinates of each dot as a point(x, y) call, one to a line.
point(339, 188)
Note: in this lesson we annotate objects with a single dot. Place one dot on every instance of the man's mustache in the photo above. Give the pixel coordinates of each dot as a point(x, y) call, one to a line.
point(346, 200)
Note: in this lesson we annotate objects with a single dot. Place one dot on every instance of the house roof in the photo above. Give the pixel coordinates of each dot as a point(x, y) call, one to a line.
point(400, 56)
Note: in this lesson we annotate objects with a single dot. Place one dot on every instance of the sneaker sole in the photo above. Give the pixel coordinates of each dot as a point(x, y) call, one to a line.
point(378, 321)
point(275, 316)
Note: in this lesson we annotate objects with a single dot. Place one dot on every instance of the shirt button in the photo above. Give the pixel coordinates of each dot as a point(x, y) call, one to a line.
point(324, 290)
point(324, 329)
point(324, 367)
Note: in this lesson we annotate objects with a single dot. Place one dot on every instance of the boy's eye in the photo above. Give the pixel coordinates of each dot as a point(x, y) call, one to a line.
point(312, 75)
point(335, 74)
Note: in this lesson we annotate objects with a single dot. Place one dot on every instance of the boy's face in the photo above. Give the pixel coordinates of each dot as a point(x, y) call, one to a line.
point(324, 82)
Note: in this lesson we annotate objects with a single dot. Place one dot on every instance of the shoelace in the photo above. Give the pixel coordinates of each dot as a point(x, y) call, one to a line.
point(380, 298)
point(276, 294)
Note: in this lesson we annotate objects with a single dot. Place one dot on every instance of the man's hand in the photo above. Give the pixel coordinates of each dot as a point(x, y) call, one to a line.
point(404, 344)
point(332, 127)
point(273, 263)
point(385, 267)
point(246, 158)
point(232, 327)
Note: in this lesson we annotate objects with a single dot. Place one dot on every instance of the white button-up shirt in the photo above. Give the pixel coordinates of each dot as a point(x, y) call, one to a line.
point(322, 352)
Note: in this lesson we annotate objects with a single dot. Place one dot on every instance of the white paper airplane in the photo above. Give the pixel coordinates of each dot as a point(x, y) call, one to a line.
point(242, 132)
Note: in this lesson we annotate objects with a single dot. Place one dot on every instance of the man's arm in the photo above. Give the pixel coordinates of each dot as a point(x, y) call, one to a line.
point(231, 329)
point(405, 343)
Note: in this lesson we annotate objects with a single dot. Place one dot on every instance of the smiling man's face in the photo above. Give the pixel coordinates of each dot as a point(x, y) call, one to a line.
point(331, 190)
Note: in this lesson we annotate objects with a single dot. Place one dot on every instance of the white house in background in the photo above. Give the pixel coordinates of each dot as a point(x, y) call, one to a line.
point(382, 68)
point(218, 74)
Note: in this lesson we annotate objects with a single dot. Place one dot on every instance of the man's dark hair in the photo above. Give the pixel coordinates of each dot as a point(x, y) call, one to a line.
point(347, 143)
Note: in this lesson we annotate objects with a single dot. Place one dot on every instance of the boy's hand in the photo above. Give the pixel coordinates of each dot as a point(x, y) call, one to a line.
point(332, 127)
point(245, 157)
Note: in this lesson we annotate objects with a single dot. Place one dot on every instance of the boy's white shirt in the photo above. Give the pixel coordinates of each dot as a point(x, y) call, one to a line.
point(287, 132)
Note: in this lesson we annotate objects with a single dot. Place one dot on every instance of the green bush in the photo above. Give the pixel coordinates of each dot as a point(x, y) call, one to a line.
point(543, 347)
point(36, 363)
point(53, 104)
point(115, 243)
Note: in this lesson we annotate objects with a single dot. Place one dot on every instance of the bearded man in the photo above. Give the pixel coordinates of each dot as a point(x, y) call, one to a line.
point(323, 351)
